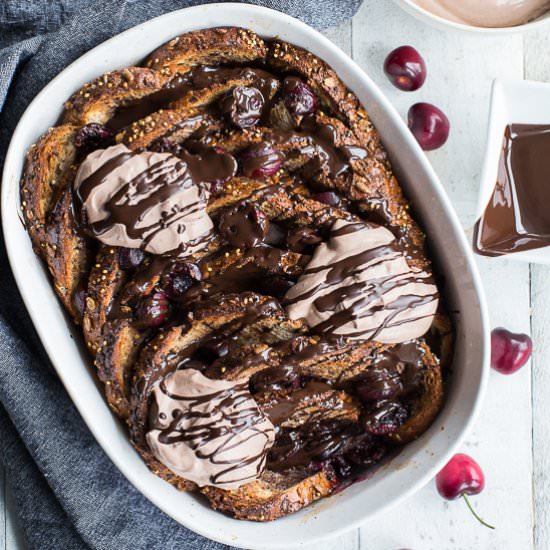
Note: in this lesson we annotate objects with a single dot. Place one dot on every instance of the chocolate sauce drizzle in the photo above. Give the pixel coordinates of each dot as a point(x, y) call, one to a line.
point(196, 79)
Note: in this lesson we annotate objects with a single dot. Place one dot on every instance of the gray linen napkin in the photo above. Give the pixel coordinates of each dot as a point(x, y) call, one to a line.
point(68, 493)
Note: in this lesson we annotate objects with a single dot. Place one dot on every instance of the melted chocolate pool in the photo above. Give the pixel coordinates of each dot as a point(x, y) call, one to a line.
point(517, 216)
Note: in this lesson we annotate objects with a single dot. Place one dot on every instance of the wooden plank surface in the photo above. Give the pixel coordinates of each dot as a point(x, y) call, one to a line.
point(537, 67)
point(512, 434)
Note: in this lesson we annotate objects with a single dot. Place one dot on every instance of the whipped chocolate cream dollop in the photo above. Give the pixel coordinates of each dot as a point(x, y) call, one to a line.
point(153, 201)
point(487, 13)
point(360, 285)
point(211, 432)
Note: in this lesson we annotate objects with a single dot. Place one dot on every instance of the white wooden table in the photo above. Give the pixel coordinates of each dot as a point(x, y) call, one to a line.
point(511, 439)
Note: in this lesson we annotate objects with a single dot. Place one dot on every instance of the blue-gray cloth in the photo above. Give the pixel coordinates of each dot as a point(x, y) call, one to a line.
point(68, 493)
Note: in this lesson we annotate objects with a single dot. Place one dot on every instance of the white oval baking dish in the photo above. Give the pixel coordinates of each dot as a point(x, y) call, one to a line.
point(419, 461)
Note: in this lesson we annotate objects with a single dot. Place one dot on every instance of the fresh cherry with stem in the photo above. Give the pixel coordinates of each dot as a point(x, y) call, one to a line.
point(461, 476)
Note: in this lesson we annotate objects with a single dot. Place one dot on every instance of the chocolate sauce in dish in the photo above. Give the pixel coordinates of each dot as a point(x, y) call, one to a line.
point(517, 216)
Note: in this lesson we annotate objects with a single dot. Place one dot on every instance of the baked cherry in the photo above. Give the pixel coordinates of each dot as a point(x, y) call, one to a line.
point(243, 225)
point(461, 476)
point(367, 451)
point(328, 197)
point(275, 379)
point(378, 383)
point(93, 136)
point(153, 310)
point(405, 68)
point(429, 125)
point(166, 145)
point(384, 417)
point(180, 279)
point(130, 258)
point(298, 97)
point(509, 350)
point(261, 160)
point(243, 106)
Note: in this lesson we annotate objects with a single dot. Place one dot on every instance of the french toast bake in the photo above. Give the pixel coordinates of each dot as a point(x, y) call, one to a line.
point(223, 223)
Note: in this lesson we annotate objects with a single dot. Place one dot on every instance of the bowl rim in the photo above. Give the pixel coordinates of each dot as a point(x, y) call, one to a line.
point(279, 20)
point(421, 13)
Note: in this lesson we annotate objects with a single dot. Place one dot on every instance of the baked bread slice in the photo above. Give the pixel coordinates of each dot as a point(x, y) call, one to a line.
point(207, 47)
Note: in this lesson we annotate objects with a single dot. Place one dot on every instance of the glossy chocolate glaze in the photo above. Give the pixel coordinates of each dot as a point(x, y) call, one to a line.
point(244, 225)
point(517, 217)
point(196, 79)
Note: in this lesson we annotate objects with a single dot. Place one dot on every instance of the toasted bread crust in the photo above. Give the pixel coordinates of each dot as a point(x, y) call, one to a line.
point(206, 47)
point(258, 501)
point(98, 100)
point(47, 167)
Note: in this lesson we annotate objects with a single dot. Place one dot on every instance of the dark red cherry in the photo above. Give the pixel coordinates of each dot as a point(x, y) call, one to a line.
point(130, 258)
point(384, 417)
point(341, 467)
point(166, 145)
point(405, 68)
point(243, 106)
point(366, 452)
point(378, 383)
point(153, 310)
point(180, 279)
point(328, 197)
point(243, 225)
point(509, 350)
point(275, 379)
point(298, 97)
point(461, 476)
point(93, 136)
point(261, 160)
point(429, 125)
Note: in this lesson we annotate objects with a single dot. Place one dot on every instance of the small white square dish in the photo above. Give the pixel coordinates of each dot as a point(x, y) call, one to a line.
point(463, 294)
point(512, 102)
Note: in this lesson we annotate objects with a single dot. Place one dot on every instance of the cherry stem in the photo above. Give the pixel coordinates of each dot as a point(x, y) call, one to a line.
point(474, 512)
